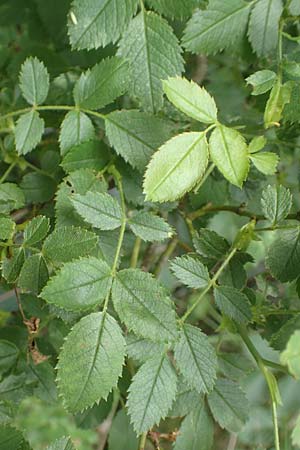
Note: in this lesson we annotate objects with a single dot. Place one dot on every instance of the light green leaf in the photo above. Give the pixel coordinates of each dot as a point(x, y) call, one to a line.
point(9, 354)
point(76, 128)
point(283, 258)
point(294, 7)
point(228, 150)
point(139, 348)
point(90, 155)
point(291, 355)
point(67, 243)
point(262, 81)
point(7, 228)
point(79, 285)
point(174, 8)
point(198, 425)
point(96, 24)
point(36, 230)
point(191, 99)
point(34, 81)
point(228, 405)
point(102, 84)
point(279, 97)
point(63, 443)
point(296, 433)
point(34, 274)
point(264, 25)
point(154, 53)
point(196, 359)
point(10, 438)
point(28, 132)
point(11, 197)
point(222, 25)
point(276, 203)
point(265, 162)
point(151, 393)
point(176, 167)
point(91, 361)
point(121, 434)
point(136, 135)
point(150, 227)
point(190, 271)
point(11, 266)
point(142, 304)
point(100, 210)
point(257, 144)
point(233, 303)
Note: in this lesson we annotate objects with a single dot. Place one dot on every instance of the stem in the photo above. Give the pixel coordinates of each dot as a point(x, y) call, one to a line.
point(210, 285)
point(282, 227)
point(7, 172)
point(142, 443)
point(202, 181)
point(166, 255)
point(135, 253)
point(209, 208)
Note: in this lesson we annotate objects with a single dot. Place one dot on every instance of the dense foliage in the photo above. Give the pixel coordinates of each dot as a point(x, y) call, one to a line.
point(149, 224)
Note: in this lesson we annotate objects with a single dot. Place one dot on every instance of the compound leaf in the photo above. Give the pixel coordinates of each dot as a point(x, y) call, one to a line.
point(196, 359)
point(79, 285)
point(91, 361)
point(143, 305)
point(176, 167)
point(154, 53)
point(151, 393)
point(34, 81)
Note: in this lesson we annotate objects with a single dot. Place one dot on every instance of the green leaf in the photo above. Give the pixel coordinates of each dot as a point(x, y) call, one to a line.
point(283, 258)
point(191, 99)
point(233, 303)
point(222, 25)
point(280, 95)
point(10, 438)
point(234, 365)
point(174, 8)
point(36, 230)
point(228, 405)
point(234, 274)
point(187, 400)
point(75, 129)
point(91, 361)
point(291, 355)
point(121, 434)
point(11, 266)
point(264, 26)
point(67, 243)
point(90, 155)
point(100, 210)
point(197, 425)
point(176, 167)
point(94, 25)
point(262, 81)
point(38, 187)
point(190, 272)
point(196, 359)
point(210, 244)
point(9, 354)
point(7, 228)
point(34, 274)
point(142, 304)
point(102, 84)
point(276, 203)
point(296, 433)
point(34, 81)
point(79, 285)
point(265, 162)
point(151, 393)
point(63, 443)
point(150, 227)
point(294, 7)
point(154, 53)
point(139, 348)
point(291, 110)
point(257, 144)
point(136, 135)
point(28, 132)
point(11, 197)
point(228, 150)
